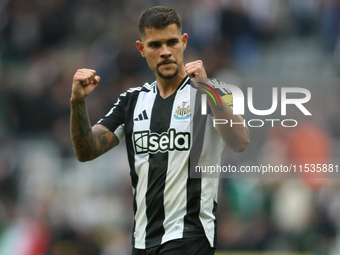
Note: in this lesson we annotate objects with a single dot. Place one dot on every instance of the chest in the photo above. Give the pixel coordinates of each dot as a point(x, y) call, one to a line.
point(158, 125)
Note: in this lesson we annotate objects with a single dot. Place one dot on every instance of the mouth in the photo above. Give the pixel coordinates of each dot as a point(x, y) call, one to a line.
point(168, 62)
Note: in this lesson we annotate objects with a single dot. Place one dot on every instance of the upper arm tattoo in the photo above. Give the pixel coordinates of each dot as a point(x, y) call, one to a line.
point(105, 139)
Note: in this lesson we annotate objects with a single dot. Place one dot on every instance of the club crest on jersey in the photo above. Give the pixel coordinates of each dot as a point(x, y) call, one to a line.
point(146, 142)
point(183, 112)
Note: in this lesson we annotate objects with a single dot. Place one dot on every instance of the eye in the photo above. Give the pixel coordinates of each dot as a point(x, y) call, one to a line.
point(172, 42)
point(154, 45)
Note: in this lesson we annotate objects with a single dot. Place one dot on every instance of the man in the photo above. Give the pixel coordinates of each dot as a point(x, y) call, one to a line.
point(173, 213)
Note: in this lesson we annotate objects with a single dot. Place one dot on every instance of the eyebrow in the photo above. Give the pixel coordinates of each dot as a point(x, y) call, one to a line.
point(172, 39)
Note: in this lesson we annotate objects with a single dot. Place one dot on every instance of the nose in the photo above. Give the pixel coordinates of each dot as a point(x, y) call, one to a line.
point(165, 52)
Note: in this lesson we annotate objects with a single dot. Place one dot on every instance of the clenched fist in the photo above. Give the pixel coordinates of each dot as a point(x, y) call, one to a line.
point(195, 69)
point(84, 82)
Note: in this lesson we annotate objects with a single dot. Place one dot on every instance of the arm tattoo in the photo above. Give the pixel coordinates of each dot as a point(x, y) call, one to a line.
point(78, 144)
point(220, 107)
point(88, 142)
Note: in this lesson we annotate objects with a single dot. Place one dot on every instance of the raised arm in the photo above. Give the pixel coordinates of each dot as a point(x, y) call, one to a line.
point(88, 142)
point(236, 136)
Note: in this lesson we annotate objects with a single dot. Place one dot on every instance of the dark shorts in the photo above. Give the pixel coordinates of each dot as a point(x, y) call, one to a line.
point(187, 246)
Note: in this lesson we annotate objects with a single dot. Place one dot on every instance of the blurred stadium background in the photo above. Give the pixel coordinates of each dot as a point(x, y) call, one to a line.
point(51, 204)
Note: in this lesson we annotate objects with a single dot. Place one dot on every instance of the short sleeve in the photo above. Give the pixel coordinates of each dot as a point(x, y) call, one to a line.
point(115, 117)
point(228, 98)
point(120, 133)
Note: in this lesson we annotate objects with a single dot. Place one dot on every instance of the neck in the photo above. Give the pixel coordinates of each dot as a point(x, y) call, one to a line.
point(167, 87)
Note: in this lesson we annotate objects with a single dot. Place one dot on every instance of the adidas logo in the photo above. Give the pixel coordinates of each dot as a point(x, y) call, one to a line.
point(142, 116)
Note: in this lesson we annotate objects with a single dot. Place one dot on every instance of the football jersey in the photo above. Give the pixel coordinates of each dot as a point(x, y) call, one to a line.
point(160, 134)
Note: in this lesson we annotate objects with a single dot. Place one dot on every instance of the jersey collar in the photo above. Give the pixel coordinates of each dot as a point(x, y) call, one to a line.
point(184, 82)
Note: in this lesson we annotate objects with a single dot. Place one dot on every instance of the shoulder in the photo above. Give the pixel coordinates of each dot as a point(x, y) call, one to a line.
point(134, 91)
point(220, 86)
point(223, 91)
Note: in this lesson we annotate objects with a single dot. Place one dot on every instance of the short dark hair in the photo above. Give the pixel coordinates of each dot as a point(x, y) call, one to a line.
point(158, 17)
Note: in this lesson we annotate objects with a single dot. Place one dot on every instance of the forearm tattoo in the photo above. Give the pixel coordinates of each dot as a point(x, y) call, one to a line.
point(88, 142)
point(220, 107)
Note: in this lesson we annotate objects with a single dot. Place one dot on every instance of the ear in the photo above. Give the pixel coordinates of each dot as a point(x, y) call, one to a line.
point(140, 48)
point(185, 40)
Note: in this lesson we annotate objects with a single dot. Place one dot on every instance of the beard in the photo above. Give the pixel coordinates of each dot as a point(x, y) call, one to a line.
point(169, 76)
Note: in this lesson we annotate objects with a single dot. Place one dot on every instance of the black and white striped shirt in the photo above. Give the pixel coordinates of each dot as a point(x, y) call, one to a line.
point(159, 136)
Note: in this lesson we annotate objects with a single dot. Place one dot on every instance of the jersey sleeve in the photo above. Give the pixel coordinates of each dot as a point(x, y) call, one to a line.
point(114, 119)
point(120, 133)
point(228, 98)
point(224, 94)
